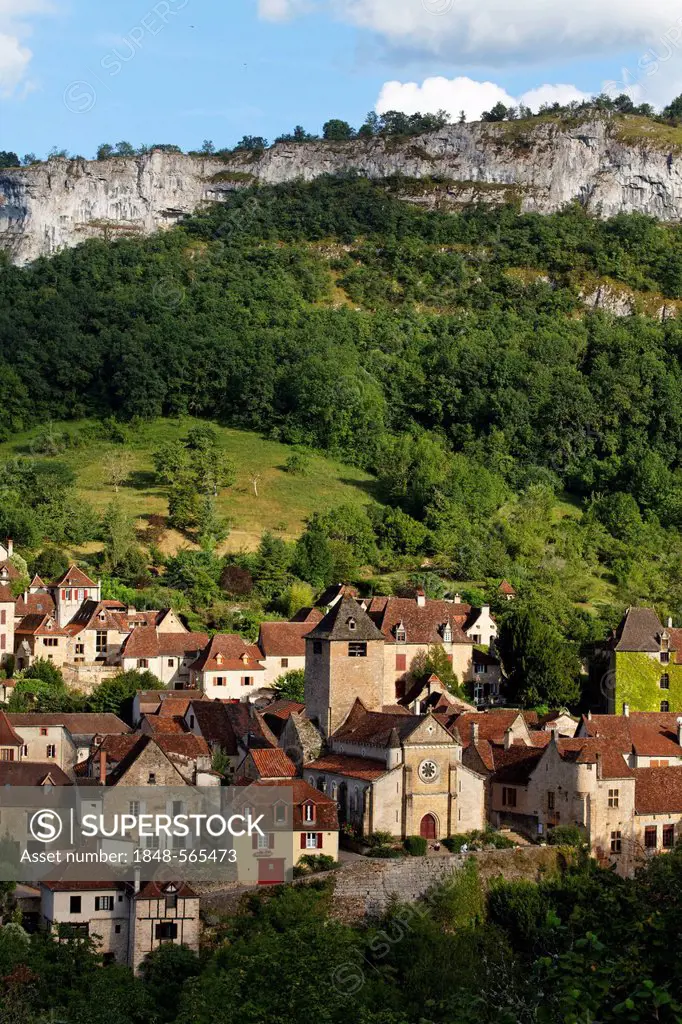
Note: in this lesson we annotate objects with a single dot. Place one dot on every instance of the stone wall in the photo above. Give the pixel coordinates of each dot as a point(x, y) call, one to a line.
point(364, 888)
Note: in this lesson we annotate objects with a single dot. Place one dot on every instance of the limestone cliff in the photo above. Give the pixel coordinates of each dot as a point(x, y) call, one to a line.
point(542, 163)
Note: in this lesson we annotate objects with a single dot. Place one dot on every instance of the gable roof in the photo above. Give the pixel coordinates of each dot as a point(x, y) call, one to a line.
point(32, 773)
point(423, 624)
point(215, 725)
point(326, 809)
point(272, 763)
point(284, 639)
point(159, 890)
point(146, 642)
point(334, 592)
point(307, 615)
point(506, 588)
point(8, 736)
point(74, 577)
point(376, 728)
point(336, 623)
point(658, 790)
point(100, 615)
point(38, 625)
point(345, 764)
point(583, 750)
point(644, 733)
point(34, 604)
point(187, 746)
point(228, 652)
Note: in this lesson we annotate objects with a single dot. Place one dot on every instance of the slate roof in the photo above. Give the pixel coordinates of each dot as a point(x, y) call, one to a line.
point(336, 625)
point(658, 790)
point(639, 630)
point(423, 624)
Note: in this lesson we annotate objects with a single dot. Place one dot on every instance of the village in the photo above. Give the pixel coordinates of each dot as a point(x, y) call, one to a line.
point(369, 752)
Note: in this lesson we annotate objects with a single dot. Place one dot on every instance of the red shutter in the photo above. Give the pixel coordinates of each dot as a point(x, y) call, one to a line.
point(3, 642)
point(319, 840)
point(271, 840)
point(63, 595)
point(3, 617)
point(303, 840)
point(400, 662)
point(254, 841)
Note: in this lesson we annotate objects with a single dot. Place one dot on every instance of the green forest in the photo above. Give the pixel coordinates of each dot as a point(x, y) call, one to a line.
point(579, 947)
point(512, 431)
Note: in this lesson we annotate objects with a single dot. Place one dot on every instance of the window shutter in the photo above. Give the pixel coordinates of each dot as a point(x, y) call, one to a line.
point(254, 841)
point(271, 840)
point(303, 840)
point(319, 840)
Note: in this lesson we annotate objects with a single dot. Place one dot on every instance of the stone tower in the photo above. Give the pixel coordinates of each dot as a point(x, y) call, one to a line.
point(344, 659)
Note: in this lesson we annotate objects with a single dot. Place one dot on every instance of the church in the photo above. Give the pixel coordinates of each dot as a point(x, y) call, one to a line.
point(389, 769)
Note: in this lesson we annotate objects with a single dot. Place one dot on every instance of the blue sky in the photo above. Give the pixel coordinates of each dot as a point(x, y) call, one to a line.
point(75, 73)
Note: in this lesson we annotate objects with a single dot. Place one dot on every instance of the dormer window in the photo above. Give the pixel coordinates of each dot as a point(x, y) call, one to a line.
point(447, 632)
point(351, 624)
point(400, 633)
point(665, 642)
point(309, 811)
point(219, 659)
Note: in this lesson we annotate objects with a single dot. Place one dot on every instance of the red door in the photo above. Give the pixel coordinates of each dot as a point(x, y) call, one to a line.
point(427, 829)
point(271, 871)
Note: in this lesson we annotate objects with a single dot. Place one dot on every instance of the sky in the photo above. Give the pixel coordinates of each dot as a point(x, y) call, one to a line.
point(77, 73)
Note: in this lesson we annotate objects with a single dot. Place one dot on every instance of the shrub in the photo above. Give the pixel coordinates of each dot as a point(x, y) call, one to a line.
point(416, 846)
point(477, 840)
point(380, 839)
point(317, 862)
point(566, 835)
point(386, 852)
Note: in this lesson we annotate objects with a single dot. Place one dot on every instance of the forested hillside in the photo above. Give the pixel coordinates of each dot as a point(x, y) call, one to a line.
point(513, 431)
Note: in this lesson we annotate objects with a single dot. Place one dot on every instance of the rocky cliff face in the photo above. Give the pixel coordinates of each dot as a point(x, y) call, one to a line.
point(50, 206)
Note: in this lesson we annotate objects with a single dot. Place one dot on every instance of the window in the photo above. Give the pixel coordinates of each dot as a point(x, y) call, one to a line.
point(615, 842)
point(400, 634)
point(665, 657)
point(317, 647)
point(151, 781)
point(309, 811)
point(400, 662)
point(104, 902)
point(658, 763)
point(24, 750)
point(351, 624)
point(143, 663)
point(613, 797)
point(665, 681)
point(480, 669)
point(280, 814)
point(117, 929)
point(3, 618)
point(6, 754)
point(134, 807)
point(171, 901)
point(171, 663)
point(508, 797)
point(668, 837)
point(357, 649)
point(75, 905)
point(550, 801)
point(651, 837)
point(152, 842)
point(101, 641)
point(311, 840)
point(50, 641)
point(333, 789)
point(665, 706)
point(191, 721)
point(247, 680)
point(51, 750)
point(80, 648)
point(263, 842)
point(220, 680)
point(43, 732)
point(284, 663)
point(166, 931)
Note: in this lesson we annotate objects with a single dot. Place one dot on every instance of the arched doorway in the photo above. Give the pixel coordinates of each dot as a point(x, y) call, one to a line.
point(427, 828)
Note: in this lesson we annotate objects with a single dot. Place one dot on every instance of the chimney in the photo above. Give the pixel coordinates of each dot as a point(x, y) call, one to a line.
point(626, 710)
point(679, 731)
point(421, 599)
point(103, 767)
point(137, 874)
point(474, 732)
point(508, 739)
point(10, 547)
point(589, 716)
point(457, 599)
point(670, 622)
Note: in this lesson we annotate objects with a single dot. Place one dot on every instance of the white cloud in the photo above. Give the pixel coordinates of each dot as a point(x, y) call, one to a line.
point(490, 32)
point(456, 94)
point(15, 56)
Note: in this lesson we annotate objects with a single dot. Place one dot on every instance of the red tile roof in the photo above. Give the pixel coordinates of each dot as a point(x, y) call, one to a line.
point(646, 733)
point(283, 708)
point(39, 625)
point(32, 773)
point(165, 725)
point(79, 724)
point(34, 604)
point(8, 736)
point(148, 642)
point(658, 790)
point(230, 653)
point(375, 728)
point(423, 624)
point(215, 724)
point(506, 588)
point(354, 767)
point(159, 890)
point(74, 577)
point(283, 639)
point(583, 750)
point(326, 816)
point(273, 763)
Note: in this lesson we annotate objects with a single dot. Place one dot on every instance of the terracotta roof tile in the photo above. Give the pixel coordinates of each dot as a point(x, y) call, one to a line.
point(32, 773)
point(8, 735)
point(148, 642)
point(34, 604)
point(326, 816)
point(273, 763)
point(74, 577)
point(646, 733)
point(78, 724)
point(354, 767)
point(658, 790)
point(423, 624)
point(229, 652)
point(283, 639)
point(216, 727)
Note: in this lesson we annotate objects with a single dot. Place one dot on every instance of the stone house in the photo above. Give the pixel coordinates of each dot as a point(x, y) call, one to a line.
point(65, 739)
point(267, 763)
point(645, 739)
point(410, 626)
point(644, 665)
point(40, 636)
point(228, 668)
point(6, 624)
point(162, 760)
point(282, 644)
point(399, 773)
point(168, 655)
point(126, 924)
